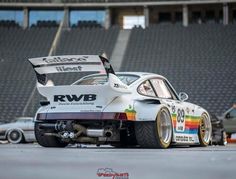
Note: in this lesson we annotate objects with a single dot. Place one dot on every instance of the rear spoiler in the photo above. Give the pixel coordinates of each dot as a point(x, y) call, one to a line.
point(75, 63)
point(69, 63)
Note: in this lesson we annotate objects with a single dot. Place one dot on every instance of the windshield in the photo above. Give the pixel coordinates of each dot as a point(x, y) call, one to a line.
point(102, 79)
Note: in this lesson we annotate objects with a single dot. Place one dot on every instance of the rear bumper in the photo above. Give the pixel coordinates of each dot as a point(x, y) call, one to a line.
point(83, 116)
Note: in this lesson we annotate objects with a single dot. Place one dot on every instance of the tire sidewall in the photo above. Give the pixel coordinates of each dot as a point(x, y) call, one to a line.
point(18, 139)
point(47, 141)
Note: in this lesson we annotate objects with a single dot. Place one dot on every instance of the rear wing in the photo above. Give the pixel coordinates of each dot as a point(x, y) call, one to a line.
point(74, 63)
point(69, 63)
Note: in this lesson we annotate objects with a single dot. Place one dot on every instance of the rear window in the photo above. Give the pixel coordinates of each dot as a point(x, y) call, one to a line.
point(102, 79)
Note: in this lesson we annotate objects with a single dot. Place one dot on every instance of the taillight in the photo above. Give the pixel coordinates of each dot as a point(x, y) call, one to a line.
point(121, 116)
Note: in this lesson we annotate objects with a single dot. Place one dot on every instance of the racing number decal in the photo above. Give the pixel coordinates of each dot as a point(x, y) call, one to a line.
point(180, 123)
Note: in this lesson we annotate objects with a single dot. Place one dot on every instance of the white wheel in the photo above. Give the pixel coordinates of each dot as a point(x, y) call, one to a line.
point(14, 136)
point(205, 130)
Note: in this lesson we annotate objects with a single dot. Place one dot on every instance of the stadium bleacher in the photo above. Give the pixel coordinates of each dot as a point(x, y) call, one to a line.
point(199, 60)
point(86, 24)
point(8, 23)
point(45, 24)
point(90, 40)
point(17, 80)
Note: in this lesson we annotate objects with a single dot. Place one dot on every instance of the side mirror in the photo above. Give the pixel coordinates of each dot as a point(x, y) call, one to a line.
point(183, 96)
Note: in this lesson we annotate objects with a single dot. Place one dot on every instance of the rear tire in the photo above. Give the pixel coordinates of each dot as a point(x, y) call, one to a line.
point(15, 136)
point(127, 139)
point(155, 134)
point(205, 130)
point(47, 141)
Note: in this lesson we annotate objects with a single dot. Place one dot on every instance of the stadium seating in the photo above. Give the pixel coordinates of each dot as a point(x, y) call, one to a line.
point(48, 23)
point(88, 41)
point(199, 60)
point(86, 24)
point(8, 23)
point(17, 79)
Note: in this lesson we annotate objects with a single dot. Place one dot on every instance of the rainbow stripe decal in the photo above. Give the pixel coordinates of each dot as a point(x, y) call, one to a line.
point(191, 124)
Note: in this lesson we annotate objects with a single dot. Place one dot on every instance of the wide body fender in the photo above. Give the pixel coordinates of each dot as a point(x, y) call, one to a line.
point(147, 110)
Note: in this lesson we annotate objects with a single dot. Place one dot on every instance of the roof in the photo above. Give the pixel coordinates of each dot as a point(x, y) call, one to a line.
point(140, 74)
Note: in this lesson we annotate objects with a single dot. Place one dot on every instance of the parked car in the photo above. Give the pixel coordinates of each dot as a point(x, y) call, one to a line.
point(229, 120)
point(125, 108)
point(219, 136)
point(22, 130)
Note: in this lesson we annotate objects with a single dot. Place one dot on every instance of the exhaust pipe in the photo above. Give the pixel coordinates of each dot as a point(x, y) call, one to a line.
point(88, 132)
point(95, 132)
point(80, 130)
point(98, 133)
point(47, 126)
point(108, 133)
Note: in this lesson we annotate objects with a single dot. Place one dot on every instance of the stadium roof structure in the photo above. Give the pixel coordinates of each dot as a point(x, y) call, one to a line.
point(103, 3)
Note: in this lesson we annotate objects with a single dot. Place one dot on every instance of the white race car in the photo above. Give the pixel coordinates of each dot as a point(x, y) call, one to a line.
point(121, 109)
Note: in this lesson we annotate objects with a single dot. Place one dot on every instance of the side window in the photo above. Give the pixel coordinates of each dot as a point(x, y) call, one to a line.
point(161, 89)
point(146, 89)
point(173, 94)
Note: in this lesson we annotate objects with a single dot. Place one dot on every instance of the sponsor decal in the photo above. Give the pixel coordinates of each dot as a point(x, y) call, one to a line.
point(184, 138)
point(173, 108)
point(116, 85)
point(180, 126)
point(110, 173)
point(65, 59)
point(187, 110)
point(75, 98)
point(130, 113)
point(69, 69)
point(191, 124)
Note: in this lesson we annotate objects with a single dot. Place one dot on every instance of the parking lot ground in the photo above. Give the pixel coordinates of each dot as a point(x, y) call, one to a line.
point(31, 161)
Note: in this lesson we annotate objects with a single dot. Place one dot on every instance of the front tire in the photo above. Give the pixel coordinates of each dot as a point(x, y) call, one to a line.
point(15, 136)
point(47, 141)
point(205, 130)
point(155, 134)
